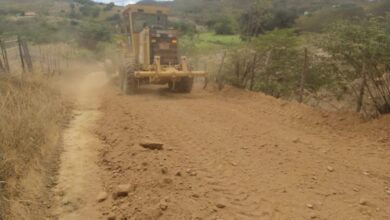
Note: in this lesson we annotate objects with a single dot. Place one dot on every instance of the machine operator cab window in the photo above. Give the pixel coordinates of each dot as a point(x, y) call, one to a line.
point(142, 20)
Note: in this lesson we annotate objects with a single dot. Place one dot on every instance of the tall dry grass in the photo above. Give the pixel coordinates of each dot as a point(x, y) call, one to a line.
point(31, 114)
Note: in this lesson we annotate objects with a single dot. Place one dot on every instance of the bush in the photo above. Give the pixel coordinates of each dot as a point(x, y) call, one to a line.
point(92, 33)
point(184, 27)
point(225, 26)
point(317, 21)
point(90, 10)
point(114, 19)
point(109, 7)
point(273, 63)
point(362, 51)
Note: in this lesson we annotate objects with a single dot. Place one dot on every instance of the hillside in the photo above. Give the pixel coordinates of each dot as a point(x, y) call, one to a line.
point(204, 10)
point(80, 22)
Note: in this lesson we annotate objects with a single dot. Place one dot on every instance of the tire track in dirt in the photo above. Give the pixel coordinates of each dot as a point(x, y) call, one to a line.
point(252, 156)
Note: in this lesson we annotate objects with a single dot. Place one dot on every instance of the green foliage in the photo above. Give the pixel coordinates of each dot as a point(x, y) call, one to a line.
point(184, 28)
point(274, 62)
point(90, 10)
point(204, 43)
point(85, 27)
point(73, 13)
point(114, 19)
point(109, 7)
point(254, 21)
point(279, 39)
point(380, 8)
point(362, 50)
point(317, 21)
point(11, 11)
point(84, 2)
point(358, 42)
point(225, 26)
point(264, 16)
point(92, 33)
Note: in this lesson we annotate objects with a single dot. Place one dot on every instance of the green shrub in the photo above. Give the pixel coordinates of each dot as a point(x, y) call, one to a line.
point(225, 26)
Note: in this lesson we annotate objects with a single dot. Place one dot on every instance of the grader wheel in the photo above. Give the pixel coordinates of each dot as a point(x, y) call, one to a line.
point(128, 82)
point(185, 85)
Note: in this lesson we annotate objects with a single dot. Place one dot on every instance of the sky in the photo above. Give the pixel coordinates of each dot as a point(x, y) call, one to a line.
point(118, 2)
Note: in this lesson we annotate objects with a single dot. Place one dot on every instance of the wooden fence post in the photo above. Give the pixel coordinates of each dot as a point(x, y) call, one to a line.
point(21, 54)
point(303, 78)
point(219, 77)
point(5, 62)
point(362, 86)
point(2, 69)
point(27, 56)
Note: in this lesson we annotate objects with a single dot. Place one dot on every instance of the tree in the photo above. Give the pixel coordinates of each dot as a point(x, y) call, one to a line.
point(362, 51)
point(90, 10)
point(225, 26)
point(318, 20)
point(109, 7)
point(91, 34)
point(72, 13)
point(254, 21)
point(268, 64)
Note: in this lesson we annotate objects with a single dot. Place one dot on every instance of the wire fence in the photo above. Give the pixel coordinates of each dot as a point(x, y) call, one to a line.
point(18, 56)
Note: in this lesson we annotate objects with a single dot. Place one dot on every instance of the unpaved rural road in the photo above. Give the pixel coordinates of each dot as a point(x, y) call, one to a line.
point(226, 155)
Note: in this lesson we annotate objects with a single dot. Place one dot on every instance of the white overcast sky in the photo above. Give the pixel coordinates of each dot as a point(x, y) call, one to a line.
point(118, 2)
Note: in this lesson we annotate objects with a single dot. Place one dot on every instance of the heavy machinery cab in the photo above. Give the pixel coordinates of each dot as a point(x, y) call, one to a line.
point(164, 44)
point(153, 51)
point(149, 35)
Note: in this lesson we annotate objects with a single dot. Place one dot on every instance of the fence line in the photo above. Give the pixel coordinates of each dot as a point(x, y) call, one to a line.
point(22, 49)
point(19, 56)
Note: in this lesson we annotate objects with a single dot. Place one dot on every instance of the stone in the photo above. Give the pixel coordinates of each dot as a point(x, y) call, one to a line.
point(220, 205)
point(102, 196)
point(152, 145)
point(296, 140)
point(163, 206)
point(167, 181)
point(111, 217)
point(363, 201)
point(65, 202)
point(330, 169)
point(178, 173)
point(310, 206)
point(195, 195)
point(121, 191)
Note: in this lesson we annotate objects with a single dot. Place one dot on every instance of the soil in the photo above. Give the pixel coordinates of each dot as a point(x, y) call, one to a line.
point(78, 176)
point(223, 155)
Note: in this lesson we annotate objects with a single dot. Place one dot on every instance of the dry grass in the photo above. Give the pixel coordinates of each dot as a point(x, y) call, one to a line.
point(31, 114)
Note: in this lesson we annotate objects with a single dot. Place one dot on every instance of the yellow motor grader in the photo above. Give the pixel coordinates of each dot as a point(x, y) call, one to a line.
point(151, 55)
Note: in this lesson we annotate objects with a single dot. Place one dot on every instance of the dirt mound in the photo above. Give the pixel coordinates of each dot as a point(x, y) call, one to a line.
point(240, 155)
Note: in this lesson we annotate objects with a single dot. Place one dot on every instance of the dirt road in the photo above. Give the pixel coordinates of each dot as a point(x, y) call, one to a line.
point(240, 155)
point(226, 155)
point(78, 176)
